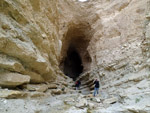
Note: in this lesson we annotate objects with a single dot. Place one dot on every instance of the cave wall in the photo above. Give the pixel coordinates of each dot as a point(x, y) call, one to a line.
point(30, 37)
point(119, 48)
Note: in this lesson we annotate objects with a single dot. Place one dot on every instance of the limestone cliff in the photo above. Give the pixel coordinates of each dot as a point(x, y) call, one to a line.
point(39, 39)
point(118, 43)
point(35, 36)
point(109, 35)
point(32, 34)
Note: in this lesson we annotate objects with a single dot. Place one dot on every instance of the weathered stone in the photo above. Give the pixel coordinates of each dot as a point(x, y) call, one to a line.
point(11, 94)
point(69, 101)
point(37, 87)
point(110, 100)
point(56, 91)
point(35, 78)
point(10, 63)
point(91, 106)
point(64, 83)
point(52, 86)
point(13, 79)
point(82, 103)
point(148, 16)
point(36, 94)
point(96, 99)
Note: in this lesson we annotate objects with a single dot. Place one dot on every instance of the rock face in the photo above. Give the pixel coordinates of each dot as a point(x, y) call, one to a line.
point(13, 79)
point(11, 94)
point(111, 38)
point(39, 88)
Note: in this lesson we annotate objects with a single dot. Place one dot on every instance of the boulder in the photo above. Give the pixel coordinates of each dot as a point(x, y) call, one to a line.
point(11, 94)
point(36, 94)
point(97, 100)
point(110, 100)
point(56, 91)
point(52, 86)
point(35, 78)
point(82, 103)
point(91, 106)
point(64, 83)
point(37, 87)
point(69, 101)
point(13, 79)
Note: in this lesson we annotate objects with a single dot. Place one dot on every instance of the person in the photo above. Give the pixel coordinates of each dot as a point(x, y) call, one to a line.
point(96, 87)
point(77, 84)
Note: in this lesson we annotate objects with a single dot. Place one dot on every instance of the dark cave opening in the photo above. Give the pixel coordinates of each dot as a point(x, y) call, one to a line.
point(73, 63)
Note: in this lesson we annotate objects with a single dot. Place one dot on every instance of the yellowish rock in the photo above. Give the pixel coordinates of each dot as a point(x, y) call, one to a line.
point(37, 87)
point(10, 63)
point(13, 79)
point(11, 94)
point(52, 86)
point(35, 78)
point(36, 94)
point(56, 91)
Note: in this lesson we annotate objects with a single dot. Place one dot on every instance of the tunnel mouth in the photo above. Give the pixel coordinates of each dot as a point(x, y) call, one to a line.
point(75, 56)
point(73, 63)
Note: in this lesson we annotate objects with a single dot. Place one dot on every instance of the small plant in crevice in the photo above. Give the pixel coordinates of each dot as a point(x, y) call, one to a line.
point(137, 100)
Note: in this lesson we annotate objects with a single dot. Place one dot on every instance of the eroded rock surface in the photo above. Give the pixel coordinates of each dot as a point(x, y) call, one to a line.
point(13, 79)
point(111, 38)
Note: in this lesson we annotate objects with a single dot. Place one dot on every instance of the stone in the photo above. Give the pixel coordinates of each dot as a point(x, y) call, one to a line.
point(110, 100)
point(52, 86)
point(82, 103)
point(36, 94)
point(96, 99)
point(11, 94)
point(91, 106)
point(65, 84)
point(76, 110)
point(10, 63)
point(69, 101)
point(56, 91)
point(37, 87)
point(148, 16)
point(13, 79)
point(35, 78)
point(89, 96)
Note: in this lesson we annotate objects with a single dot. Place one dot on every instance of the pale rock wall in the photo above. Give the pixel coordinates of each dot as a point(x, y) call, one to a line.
point(119, 48)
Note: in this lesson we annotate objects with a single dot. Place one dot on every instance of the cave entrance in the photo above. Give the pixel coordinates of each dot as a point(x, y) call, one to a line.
point(73, 63)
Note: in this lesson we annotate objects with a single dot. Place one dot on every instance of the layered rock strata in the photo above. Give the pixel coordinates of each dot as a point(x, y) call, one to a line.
point(110, 36)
